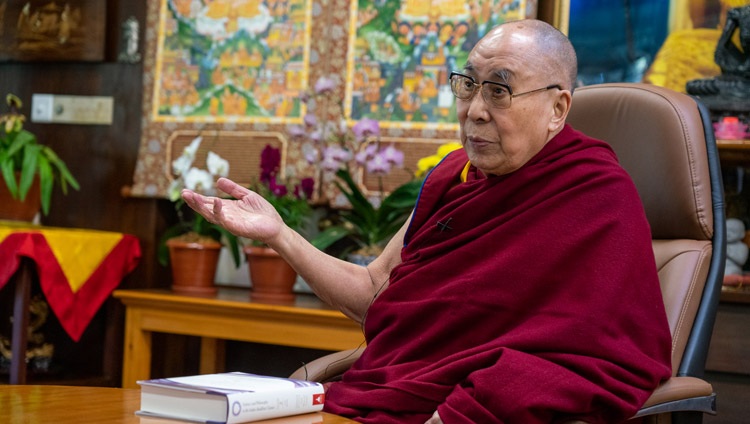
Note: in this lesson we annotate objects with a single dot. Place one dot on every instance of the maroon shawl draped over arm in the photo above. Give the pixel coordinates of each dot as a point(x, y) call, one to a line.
point(526, 298)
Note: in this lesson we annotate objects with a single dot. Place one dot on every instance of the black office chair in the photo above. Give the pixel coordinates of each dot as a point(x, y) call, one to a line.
point(664, 139)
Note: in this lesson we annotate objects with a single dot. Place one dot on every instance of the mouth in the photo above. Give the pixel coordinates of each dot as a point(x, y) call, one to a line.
point(478, 141)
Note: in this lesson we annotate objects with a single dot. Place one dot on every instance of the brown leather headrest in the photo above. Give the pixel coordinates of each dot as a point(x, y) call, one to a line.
point(658, 136)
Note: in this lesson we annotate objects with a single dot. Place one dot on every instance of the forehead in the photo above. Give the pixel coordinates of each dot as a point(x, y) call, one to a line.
point(504, 55)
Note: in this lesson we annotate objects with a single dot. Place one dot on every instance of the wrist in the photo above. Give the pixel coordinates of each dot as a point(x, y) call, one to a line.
point(283, 240)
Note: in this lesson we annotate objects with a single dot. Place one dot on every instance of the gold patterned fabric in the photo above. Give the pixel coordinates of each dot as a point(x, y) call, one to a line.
point(686, 55)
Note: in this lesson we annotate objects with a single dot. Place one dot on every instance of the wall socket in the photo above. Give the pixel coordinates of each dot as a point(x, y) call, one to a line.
point(87, 110)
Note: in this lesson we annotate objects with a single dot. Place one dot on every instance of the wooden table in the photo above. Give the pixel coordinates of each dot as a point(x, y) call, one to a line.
point(21, 404)
point(230, 315)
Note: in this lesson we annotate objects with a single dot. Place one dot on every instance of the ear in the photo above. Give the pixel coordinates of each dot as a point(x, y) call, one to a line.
point(560, 110)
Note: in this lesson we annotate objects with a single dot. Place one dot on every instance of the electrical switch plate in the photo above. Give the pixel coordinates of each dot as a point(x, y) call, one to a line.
point(96, 110)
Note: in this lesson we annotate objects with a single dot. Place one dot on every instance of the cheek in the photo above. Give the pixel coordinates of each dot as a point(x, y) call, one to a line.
point(515, 134)
point(462, 110)
point(462, 115)
point(527, 123)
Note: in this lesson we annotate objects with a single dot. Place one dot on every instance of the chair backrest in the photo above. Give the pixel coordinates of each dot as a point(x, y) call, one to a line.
point(665, 142)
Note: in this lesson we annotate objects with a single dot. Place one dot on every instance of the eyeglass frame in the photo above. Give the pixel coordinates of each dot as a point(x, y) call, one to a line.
point(501, 84)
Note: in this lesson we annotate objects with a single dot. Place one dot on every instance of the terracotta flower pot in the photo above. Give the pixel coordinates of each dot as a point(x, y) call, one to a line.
point(193, 266)
point(271, 277)
point(17, 210)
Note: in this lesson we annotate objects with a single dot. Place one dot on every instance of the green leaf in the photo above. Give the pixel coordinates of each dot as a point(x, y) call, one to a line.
point(9, 175)
point(21, 140)
point(65, 176)
point(362, 217)
point(329, 236)
point(29, 169)
point(46, 182)
point(403, 197)
point(22, 154)
point(230, 240)
point(358, 200)
point(372, 226)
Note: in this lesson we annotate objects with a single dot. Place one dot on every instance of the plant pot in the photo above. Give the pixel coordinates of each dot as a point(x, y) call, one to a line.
point(193, 266)
point(272, 278)
point(17, 210)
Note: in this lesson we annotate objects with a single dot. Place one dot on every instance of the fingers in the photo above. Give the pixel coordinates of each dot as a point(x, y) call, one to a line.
point(199, 203)
point(193, 199)
point(231, 188)
point(217, 207)
point(189, 197)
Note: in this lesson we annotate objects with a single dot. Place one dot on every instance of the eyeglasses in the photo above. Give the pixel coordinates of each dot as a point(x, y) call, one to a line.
point(496, 94)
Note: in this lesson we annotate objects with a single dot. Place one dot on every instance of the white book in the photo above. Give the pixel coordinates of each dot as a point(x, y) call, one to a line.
point(232, 397)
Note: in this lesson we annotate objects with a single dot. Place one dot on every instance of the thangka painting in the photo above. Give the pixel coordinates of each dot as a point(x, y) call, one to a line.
point(402, 52)
point(231, 60)
point(235, 71)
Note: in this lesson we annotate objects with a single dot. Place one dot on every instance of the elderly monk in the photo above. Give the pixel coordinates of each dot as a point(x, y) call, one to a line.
point(523, 288)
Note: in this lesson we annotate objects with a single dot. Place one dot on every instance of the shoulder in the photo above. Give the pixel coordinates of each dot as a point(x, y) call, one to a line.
point(572, 151)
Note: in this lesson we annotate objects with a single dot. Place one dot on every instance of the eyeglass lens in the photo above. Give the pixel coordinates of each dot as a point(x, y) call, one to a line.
point(495, 94)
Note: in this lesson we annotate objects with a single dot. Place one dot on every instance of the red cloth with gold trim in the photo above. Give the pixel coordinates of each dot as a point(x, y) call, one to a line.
point(77, 268)
point(528, 298)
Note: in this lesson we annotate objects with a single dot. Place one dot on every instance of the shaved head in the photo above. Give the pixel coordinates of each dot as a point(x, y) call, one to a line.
point(552, 51)
point(537, 64)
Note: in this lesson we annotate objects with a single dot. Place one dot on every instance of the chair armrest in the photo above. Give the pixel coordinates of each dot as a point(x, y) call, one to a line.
point(680, 394)
point(328, 368)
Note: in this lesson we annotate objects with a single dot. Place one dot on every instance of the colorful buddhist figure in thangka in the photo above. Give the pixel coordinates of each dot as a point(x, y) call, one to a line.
point(231, 60)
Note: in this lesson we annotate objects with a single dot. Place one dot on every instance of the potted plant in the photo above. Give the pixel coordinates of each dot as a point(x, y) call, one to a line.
point(271, 276)
point(367, 226)
point(28, 168)
point(192, 246)
point(368, 222)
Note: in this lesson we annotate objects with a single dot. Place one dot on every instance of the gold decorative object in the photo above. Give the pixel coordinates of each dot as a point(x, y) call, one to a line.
point(38, 353)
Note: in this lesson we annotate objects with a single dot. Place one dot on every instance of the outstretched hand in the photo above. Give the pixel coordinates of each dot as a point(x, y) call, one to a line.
point(247, 215)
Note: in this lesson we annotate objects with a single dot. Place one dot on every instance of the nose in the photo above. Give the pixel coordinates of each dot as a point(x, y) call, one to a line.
point(478, 108)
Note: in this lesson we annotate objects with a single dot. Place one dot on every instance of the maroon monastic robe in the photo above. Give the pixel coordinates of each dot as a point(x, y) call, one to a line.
point(527, 298)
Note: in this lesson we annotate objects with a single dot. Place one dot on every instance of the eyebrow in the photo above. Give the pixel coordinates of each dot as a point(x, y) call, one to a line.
point(505, 75)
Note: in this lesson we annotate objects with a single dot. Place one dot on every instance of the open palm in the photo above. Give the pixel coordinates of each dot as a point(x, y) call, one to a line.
point(247, 215)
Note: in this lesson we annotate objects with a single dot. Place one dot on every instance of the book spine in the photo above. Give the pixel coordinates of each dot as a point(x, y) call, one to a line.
point(254, 406)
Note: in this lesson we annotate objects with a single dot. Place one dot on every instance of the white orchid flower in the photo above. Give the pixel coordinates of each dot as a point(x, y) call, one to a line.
point(200, 181)
point(181, 165)
point(192, 148)
point(217, 165)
